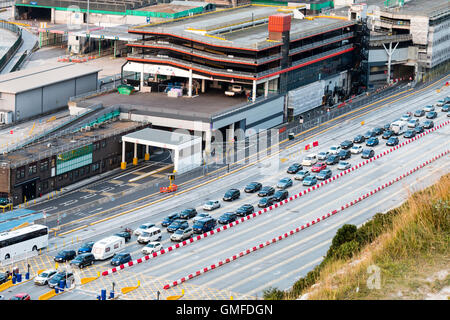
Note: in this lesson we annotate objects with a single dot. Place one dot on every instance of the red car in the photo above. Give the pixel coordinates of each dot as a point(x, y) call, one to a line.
point(318, 167)
point(21, 296)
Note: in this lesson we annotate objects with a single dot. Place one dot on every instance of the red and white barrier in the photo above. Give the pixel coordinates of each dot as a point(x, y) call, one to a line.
point(298, 229)
point(253, 215)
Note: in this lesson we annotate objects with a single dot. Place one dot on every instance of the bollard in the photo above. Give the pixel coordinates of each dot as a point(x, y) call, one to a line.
point(27, 276)
point(19, 278)
point(56, 290)
point(111, 295)
point(103, 294)
point(13, 279)
point(62, 284)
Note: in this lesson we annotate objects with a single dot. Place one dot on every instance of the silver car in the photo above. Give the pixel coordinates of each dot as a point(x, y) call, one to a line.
point(343, 165)
point(151, 247)
point(323, 155)
point(211, 205)
point(301, 175)
point(43, 277)
point(181, 235)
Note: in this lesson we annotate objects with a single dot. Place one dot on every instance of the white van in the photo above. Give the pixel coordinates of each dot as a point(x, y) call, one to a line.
point(399, 127)
point(107, 247)
point(152, 234)
point(309, 160)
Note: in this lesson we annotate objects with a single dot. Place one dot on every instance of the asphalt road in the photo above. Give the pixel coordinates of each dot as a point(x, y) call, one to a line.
point(280, 264)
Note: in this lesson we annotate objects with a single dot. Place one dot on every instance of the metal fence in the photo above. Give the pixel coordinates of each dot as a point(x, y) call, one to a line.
point(12, 50)
point(6, 3)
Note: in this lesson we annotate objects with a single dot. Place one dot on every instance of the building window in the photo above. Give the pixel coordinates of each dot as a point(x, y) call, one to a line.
point(45, 185)
point(88, 169)
point(81, 171)
point(76, 173)
point(65, 176)
point(103, 143)
point(32, 169)
point(20, 173)
point(95, 166)
point(44, 165)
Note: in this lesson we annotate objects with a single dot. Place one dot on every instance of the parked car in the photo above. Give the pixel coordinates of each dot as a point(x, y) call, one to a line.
point(62, 275)
point(120, 258)
point(266, 202)
point(334, 149)
point(301, 174)
point(177, 224)
point(310, 180)
point(324, 174)
point(369, 134)
point(309, 160)
point(231, 195)
point(4, 276)
point(387, 126)
point(418, 129)
point(143, 227)
point(343, 165)
point(65, 255)
point(152, 234)
point(387, 134)
point(318, 166)
point(188, 213)
point(181, 235)
point(294, 168)
point(86, 247)
point(367, 153)
point(428, 108)
point(333, 159)
point(284, 183)
point(21, 296)
point(280, 195)
point(43, 277)
point(445, 108)
point(169, 219)
point(419, 113)
point(347, 144)
point(245, 210)
point(124, 234)
point(211, 205)
point(152, 247)
point(83, 260)
point(266, 191)
point(359, 139)
point(372, 142)
point(393, 141)
point(204, 225)
point(405, 117)
point(201, 216)
point(344, 154)
point(356, 149)
point(409, 134)
point(253, 187)
point(428, 124)
point(227, 217)
point(323, 155)
point(378, 131)
point(431, 115)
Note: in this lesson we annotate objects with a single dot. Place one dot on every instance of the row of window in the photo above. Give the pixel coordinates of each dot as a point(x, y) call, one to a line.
point(32, 168)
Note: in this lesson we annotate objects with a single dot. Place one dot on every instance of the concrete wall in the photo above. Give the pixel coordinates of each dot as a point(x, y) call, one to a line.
point(63, 17)
point(380, 55)
point(28, 104)
point(7, 101)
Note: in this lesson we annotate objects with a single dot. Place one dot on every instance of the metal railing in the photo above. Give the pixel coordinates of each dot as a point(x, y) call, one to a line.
point(12, 50)
point(321, 43)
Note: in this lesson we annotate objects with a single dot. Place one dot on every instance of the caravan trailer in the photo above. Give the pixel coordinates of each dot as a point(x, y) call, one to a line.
point(107, 247)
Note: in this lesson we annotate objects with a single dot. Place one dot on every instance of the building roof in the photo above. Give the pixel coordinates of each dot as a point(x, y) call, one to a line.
point(428, 8)
point(160, 138)
point(38, 77)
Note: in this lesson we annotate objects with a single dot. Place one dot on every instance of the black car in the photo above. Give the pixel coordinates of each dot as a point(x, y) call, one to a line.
point(245, 210)
point(359, 139)
point(253, 187)
point(83, 260)
point(86, 247)
point(333, 159)
point(347, 144)
point(177, 224)
point(409, 134)
point(280, 195)
point(324, 174)
point(231, 195)
point(428, 124)
point(266, 191)
point(378, 131)
point(169, 219)
point(227, 217)
point(188, 213)
point(294, 168)
point(419, 113)
point(387, 126)
point(266, 202)
point(120, 258)
point(387, 134)
point(431, 115)
point(372, 142)
point(63, 275)
point(124, 234)
point(393, 141)
point(4, 277)
point(367, 153)
point(418, 129)
point(65, 255)
point(369, 134)
point(344, 154)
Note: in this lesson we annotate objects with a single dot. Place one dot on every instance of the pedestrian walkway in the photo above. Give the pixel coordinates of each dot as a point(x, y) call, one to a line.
point(29, 42)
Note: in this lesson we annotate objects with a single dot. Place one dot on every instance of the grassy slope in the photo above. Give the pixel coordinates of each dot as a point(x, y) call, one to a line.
point(412, 254)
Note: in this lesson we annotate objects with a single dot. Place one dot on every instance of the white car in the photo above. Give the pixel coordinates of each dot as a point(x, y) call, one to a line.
point(334, 149)
point(181, 235)
point(151, 247)
point(412, 123)
point(428, 108)
point(356, 149)
point(44, 276)
point(343, 165)
point(143, 228)
point(201, 216)
point(323, 155)
point(211, 205)
point(309, 160)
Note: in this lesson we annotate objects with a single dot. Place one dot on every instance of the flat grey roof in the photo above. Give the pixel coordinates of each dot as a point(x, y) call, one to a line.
point(161, 136)
point(427, 8)
point(41, 76)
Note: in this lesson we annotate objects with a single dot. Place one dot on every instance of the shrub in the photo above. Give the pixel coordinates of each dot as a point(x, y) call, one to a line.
point(273, 294)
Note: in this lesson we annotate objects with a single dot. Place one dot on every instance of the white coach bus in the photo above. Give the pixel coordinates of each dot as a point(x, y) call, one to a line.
point(23, 241)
